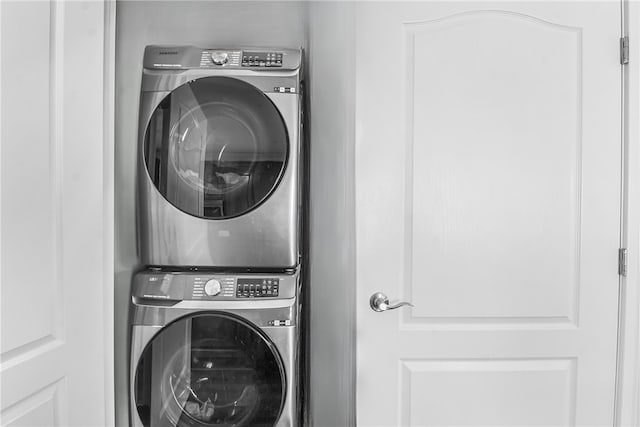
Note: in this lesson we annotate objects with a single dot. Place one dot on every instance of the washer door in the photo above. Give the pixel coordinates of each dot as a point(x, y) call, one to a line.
point(209, 369)
point(216, 147)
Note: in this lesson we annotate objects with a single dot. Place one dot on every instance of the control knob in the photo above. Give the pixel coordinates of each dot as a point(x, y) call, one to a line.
point(219, 58)
point(212, 287)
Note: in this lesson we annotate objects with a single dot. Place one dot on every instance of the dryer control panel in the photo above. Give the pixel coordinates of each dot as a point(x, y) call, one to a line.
point(190, 57)
point(241, 58)
point(262, 59)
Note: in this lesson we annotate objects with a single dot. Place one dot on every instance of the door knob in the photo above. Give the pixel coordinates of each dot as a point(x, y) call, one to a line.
point(380, 302)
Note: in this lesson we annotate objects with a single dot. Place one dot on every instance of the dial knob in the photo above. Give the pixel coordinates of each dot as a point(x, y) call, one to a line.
point(219, 58)
point(212, 287)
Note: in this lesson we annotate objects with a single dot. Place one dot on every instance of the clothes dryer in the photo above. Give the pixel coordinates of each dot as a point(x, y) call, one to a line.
point(220, 157)
point(214, 350)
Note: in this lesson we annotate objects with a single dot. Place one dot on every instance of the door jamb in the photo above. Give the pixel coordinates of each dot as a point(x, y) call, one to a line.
point(627, 411)
point(108, 144)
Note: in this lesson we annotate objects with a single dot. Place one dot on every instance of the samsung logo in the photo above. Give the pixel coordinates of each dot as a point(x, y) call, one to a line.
point(170, 52)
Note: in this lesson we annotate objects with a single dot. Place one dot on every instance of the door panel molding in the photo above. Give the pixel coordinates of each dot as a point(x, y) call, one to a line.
point(44, 403)
point(496, 12)
point(567, 290)
point(35, 371)
point(35, 229)
point(29, 350)
point(550, 381)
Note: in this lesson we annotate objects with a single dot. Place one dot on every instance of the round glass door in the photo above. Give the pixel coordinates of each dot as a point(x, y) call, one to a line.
point(216, 147)
point(210, 369)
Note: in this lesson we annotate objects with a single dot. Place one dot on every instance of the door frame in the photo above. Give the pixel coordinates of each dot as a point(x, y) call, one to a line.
point(108, 165)
point(628, 373)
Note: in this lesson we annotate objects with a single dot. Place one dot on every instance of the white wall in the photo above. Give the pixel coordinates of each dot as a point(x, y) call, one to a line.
point(206, 24)
point(332, 228)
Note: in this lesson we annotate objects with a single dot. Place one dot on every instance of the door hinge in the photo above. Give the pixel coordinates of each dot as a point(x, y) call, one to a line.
point(622, 262)
point(624, 50)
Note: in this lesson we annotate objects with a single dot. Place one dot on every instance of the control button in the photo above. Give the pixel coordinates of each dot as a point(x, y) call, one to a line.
point(219, 58)
point(212, 287)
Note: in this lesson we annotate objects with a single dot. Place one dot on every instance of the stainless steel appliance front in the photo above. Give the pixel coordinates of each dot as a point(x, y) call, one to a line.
point(219, 158)
point(212, 356)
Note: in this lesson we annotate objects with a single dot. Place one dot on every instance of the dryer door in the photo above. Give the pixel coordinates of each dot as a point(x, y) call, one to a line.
point(216, 147)
point(209, 369)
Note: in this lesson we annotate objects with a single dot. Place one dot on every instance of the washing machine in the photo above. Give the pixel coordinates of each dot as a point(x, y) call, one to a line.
point(214, 350)
point(220, 157)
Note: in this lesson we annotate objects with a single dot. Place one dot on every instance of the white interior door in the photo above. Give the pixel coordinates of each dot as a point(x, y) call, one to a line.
point(56, 316)
point(488, 195)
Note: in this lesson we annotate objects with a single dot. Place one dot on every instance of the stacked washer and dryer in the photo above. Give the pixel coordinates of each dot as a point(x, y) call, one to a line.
point(215, 316)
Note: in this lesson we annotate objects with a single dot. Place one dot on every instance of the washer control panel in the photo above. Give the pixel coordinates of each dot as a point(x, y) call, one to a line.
point(262, 59)
point(174, 287)
point(257, 287)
